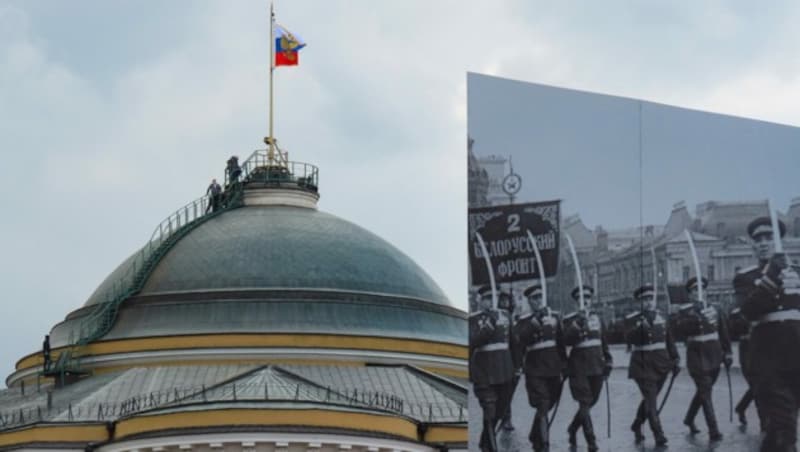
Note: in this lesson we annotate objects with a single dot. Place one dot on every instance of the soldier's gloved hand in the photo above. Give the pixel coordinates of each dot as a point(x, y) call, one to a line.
point(607, 370)
point(728, 361)
point(548, 321)
point(775, 266)
point(710, 315)
point(676, 368)
point(494, 314)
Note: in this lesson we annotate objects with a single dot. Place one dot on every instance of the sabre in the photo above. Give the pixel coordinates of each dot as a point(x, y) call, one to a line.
point(730, 394)
point(558, 401)
point(776, 232)
point(577, 268)
point(655, 275)
point(489, 268)
point(542, 279)
point(608, 410)
point(666, 395)
point(697, 273)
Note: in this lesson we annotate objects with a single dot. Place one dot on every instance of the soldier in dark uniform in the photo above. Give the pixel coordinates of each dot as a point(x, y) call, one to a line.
point(545, 358)
point(769, 295)
point(588, 365)
point(653, 356)
point(490, 367)
point(506, 303)
point(708, 346)
point(740, 327)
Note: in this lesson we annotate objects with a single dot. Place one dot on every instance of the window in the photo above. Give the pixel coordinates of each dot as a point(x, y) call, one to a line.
point(710, 273)
point(685, 272)
point(721, 229)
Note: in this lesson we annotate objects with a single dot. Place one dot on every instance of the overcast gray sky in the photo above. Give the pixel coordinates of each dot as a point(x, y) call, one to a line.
point(584, 149)
point(115, 113)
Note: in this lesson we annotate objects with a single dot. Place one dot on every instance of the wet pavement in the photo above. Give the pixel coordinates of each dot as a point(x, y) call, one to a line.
point(625, 397)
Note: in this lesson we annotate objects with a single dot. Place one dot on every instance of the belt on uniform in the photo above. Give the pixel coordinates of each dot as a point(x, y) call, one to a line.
point(779, 316)
point(540, 345)
point(493, 347)
point(704, 337)
point(649, 347)
point(589, 343)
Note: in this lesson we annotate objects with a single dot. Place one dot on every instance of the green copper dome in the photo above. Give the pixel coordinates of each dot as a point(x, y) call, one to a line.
point(284, 247)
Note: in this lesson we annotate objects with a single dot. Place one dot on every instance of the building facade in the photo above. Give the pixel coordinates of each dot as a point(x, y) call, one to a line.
point(250, 322)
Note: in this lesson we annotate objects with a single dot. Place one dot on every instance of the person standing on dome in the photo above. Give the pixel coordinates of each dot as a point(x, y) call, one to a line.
point(233, 170)
point(588, 365)
point(214, 193)
point(769, 295)
point(708, 346)
point(545, 358)
point(490, 365)
point(653, 356)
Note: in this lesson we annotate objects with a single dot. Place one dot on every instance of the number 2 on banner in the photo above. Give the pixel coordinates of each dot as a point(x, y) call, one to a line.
point(513, 222)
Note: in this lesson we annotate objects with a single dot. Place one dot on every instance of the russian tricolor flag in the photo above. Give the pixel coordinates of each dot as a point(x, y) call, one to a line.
point(287, 46)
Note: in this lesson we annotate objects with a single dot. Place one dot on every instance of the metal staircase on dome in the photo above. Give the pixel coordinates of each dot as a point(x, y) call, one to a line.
point(261, 169)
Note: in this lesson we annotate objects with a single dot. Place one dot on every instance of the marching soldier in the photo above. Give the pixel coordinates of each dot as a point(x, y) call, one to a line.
point(588, 365)
point(653, 356)
point(539, 331)
point(740, 327)
point(506, 303)
point(769, 295)
point(490, 367)
point(708, 346)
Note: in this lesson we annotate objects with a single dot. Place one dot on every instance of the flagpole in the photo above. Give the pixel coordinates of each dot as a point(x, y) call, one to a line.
point(271, 139)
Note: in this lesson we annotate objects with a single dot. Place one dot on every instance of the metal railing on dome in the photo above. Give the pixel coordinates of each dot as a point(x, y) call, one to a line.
point(257, 169)
point(34, 413)
point(170, 230)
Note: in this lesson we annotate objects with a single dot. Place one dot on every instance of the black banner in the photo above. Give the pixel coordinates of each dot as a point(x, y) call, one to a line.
point(504, 231)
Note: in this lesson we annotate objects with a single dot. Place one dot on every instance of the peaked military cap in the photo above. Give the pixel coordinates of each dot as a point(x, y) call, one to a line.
point(646, 290)
point(535, 289)
point(484, 291)
point(587, 292)
point(763, 225)
point(692, 283)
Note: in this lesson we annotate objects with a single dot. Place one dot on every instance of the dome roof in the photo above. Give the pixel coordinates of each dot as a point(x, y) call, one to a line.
point(277, 269)
point(284, 247)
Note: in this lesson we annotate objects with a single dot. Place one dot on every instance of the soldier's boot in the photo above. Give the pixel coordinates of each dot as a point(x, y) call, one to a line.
point(691, 414)
point(711, 420)
point(539, 433)
point(655, 426)
point(741, 407)
point(779, 442)
point(544, 433)
point(533, 436)
point(636, 427)
point(572, 429)
point(588, 432)
point(489, 444)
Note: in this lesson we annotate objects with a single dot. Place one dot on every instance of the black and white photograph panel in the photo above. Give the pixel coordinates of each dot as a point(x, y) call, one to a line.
point(632, 263)
point(724, 193)
point(554, 177)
